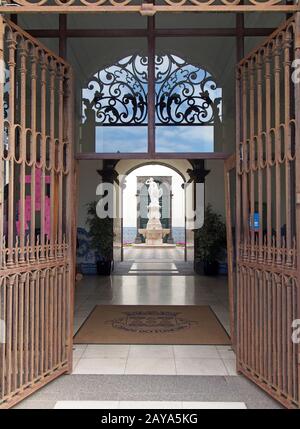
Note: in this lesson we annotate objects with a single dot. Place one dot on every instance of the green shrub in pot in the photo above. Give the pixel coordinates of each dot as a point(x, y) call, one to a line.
point(210, 242)
point(102, 236)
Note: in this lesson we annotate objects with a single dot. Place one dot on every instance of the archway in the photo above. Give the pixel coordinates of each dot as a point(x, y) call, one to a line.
point(172, 214)
point(128, 169)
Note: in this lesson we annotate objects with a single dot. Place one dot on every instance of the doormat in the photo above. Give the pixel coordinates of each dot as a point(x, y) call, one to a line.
point(152, 324)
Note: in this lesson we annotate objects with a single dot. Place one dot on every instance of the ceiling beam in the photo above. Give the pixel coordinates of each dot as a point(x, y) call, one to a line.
point(173, 32)
point(62, 36)
point(157, 155)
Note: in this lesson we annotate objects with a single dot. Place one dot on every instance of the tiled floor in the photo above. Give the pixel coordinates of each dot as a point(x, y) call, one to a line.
point(153, 359)
point(172, 254)
point(155, 262)
point(153, 268)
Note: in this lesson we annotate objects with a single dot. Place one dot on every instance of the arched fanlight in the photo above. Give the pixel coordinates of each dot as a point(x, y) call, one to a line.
point(184, 94)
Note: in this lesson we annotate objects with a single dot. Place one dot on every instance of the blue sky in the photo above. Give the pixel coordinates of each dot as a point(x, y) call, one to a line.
point(168, 139)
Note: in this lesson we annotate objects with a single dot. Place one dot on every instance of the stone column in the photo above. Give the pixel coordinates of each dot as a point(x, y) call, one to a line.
point(197, 175)
point(108, 174)
point(122, 186)
point(170, 239)
point(138, 238)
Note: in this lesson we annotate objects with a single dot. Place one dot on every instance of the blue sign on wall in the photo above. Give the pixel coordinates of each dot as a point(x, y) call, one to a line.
point(255, 225)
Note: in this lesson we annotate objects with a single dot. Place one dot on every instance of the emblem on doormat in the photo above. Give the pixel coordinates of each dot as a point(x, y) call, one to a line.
point(151, 322)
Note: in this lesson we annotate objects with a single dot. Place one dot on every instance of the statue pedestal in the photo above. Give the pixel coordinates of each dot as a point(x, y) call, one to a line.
point(154, 236)
point(154, 233)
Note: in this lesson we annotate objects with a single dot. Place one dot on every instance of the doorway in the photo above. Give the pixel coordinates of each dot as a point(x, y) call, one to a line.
point(33, 143)
point(171, 248)
point(151, 284)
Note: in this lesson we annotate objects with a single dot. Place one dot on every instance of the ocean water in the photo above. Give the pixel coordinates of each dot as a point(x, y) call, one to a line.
point(129, 234)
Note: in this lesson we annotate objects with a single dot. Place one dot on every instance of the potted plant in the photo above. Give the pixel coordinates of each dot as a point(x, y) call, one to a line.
point(210, 241)
point(102, 235)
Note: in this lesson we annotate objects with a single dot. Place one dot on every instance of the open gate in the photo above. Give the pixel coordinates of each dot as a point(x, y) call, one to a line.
point(36, 215)
point(37, 223)
point(268, 214)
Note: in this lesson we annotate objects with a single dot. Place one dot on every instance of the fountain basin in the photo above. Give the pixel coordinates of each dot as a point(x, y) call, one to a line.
point(154, 237)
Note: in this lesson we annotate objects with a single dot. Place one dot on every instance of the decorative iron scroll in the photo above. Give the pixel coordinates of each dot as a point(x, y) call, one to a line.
point(146, 8)
point(185, 94)
point(118, 94)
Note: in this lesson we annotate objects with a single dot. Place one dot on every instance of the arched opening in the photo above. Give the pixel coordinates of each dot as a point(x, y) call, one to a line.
point(136, 202)
point(182, 200)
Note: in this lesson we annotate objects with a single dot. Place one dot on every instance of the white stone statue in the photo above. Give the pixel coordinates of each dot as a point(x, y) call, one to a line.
point(154, 232)
point(154, 192)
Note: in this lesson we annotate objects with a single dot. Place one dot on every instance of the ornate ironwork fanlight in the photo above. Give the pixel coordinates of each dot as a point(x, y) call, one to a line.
point(185, 94)
point(118, 94)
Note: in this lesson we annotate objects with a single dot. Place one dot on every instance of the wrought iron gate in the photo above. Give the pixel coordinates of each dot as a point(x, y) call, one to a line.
point(268, 214)
point(36, 215)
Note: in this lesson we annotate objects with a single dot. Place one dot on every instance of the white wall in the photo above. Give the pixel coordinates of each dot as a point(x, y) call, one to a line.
point(214, 186)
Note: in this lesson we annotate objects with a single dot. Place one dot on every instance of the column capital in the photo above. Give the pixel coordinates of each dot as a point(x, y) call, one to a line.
point(198, 172)
point(108, 172)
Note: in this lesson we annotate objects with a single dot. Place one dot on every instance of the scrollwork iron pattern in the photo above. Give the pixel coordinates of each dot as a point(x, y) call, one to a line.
point(185, 94)
point(118, 94)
